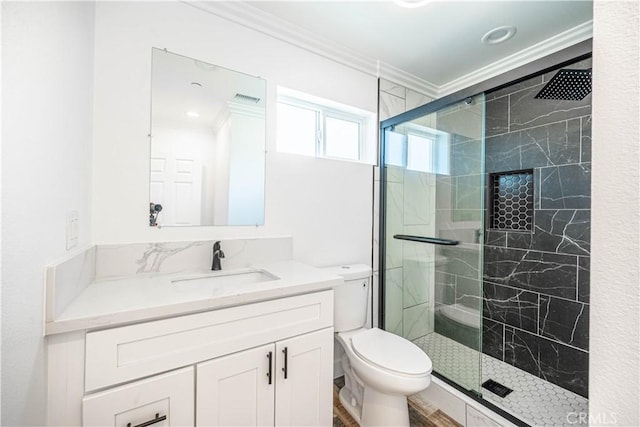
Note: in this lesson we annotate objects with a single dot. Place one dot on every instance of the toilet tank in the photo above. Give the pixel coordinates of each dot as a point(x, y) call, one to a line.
point(351, 298)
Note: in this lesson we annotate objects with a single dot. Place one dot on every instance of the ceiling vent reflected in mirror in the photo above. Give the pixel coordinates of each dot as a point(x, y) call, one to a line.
point(246, 98)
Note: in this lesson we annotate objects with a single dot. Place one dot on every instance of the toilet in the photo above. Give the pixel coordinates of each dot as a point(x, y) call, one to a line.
point(381, 369)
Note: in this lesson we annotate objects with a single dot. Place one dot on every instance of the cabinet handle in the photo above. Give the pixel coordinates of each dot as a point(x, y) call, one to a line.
point(157, 419)
point(270, 357)
point(284, 369)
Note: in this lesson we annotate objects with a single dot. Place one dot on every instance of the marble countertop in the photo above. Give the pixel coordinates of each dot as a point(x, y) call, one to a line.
point(149, 296)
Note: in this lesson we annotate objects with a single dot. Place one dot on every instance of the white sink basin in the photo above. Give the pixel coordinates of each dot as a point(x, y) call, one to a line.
point(227, 278)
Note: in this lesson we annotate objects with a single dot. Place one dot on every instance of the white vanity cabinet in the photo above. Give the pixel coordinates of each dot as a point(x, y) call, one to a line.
point(160, 401)
point(207, 368)
point(304, 393)
point(235, 390)
point(287, 383)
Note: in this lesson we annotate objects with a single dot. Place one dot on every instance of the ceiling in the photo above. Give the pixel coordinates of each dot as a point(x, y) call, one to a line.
point(440, 42)
point(182, 85)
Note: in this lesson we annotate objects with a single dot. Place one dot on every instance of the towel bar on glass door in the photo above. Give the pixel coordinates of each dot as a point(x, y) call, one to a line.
point(422, 239)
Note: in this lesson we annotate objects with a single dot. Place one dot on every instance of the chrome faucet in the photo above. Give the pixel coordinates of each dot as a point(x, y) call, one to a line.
point(217, 255)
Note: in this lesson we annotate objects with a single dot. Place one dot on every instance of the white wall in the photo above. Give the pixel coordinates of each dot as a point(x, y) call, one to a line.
point(304, 197)
point(1, 44)
point(246, 167)
point(47, 58)
point(614, 351)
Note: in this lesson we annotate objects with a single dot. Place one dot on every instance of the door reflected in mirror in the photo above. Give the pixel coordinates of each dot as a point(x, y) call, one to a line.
point(207, 144)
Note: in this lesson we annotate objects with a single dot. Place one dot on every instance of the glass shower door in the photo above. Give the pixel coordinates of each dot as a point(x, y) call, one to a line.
point(433, 199)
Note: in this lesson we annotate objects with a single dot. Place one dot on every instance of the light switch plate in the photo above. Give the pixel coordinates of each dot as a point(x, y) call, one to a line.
point(72, 229)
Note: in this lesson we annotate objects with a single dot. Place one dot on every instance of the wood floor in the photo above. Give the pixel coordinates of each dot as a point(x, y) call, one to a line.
point(421, 413)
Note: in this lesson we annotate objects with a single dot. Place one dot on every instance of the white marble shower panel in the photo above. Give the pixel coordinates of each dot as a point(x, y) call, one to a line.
point(419, 268)
point(394, 174)
point(417, 280)
point(390, 105)
point(429, 121)
point(419, 198)
point(416, 250)
point(444, 192)
point(372, 318)
point(392, 88)
point(394, 224)
point(376, 226)
point(393, 300)
point(416, 99)
point(417, 321)
point(173, 257)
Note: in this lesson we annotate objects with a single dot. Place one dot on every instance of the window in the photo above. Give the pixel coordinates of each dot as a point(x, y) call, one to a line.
point(428, 150)
point(316, 127)
point(342, 138)
point(418, 148)
point(296, 129)
point(419, 152)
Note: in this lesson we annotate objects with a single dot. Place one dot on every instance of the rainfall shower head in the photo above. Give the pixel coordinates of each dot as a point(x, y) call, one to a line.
point(567, 85)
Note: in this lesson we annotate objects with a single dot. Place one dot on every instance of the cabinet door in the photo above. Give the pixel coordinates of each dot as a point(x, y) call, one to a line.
point(237, 390)
point(160, 401)
point(305, 379)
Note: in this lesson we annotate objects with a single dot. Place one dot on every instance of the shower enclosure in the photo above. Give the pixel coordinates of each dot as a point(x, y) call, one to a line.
point(434, 176)
point(484, 249)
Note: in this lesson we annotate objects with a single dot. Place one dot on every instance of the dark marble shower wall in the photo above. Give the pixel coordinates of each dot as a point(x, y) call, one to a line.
point(536, 283)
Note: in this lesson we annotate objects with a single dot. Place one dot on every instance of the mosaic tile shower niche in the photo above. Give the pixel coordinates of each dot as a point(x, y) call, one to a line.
point(511, 206)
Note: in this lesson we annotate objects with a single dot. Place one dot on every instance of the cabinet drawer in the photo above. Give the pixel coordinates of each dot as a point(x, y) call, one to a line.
point(166, 399)
point(121, 354)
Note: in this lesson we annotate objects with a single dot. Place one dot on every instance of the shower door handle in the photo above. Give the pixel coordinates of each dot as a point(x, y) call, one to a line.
point(423, 239)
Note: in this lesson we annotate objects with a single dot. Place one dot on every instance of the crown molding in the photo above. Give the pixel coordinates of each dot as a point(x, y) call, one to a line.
point(408, 80)
point(256, 19)
point(546, 47)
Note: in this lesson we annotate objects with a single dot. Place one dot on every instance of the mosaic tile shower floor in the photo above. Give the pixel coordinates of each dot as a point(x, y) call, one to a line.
point(533, 400)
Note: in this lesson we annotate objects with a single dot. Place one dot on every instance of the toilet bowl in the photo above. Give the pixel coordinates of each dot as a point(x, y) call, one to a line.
point(388, 368)
point(381, 369)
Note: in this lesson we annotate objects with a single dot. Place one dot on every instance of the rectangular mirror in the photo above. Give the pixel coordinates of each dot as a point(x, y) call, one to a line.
point(207, 144)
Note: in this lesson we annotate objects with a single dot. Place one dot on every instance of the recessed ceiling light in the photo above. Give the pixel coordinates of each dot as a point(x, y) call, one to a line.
point(499, 35)
point(411, 3)
point(192, 114)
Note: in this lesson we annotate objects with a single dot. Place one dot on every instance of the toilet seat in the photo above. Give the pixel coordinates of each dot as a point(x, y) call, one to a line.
point(391, 353)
